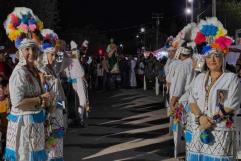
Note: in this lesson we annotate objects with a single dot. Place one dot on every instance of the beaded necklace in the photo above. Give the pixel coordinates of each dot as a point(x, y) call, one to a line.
point(208, 88)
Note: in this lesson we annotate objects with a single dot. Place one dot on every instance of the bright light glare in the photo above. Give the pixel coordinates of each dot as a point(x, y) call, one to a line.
point(188, 11)
point(143, 29)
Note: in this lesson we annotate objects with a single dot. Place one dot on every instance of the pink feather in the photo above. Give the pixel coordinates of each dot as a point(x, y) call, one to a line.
point(24, 27)
point(223, 42)
point(32, 27)
point(47, 37)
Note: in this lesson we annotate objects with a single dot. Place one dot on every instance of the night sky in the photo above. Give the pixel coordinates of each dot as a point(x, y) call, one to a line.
point(119, 17)
point(107, 14)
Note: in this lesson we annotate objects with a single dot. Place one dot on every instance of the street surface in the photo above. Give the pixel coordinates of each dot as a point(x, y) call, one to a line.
point(124, 125)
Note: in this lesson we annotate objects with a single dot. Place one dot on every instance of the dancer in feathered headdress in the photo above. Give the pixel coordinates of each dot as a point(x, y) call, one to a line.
point(52, 84)
point(179, 78)
point(214, 97)
point(25, 134)
point(180, 45)
point(50, 39)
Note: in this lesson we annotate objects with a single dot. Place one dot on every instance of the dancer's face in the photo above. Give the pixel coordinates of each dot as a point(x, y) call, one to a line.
point(30, 54)
point(51, 57)
point(171, 53)
point(214, 61)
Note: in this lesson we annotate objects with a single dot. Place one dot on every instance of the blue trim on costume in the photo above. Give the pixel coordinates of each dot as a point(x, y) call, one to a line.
point(187, 108)
point(174, 127)
point(59, 104)
point(57, 159)
point(10, 155)
point(37, 118)
point(34, 118)
point(193, 156)
point(188, 135)
point(38, 155)
point(72, 81)
point(58, 133)
point(12, 118)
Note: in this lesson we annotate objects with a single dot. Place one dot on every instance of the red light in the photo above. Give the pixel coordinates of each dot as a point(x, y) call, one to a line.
point(100, 51)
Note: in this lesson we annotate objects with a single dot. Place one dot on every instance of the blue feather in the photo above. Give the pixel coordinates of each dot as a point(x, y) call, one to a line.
point(24, 19)
point(18, 42)
point(206, 49)
point(47, 45)
point(31, 21)
point(209, 30)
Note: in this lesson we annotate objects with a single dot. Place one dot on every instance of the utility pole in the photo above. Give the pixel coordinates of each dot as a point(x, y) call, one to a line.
point(199, 9)
point(214, 8)
point(192, 8)
point(157, 16)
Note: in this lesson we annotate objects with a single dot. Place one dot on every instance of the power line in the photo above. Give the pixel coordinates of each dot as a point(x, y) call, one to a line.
point(143, 24)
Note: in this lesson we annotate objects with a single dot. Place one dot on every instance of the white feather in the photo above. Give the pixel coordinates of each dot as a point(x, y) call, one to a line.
point(184, 35)
point(46, 32)
point(73, 45)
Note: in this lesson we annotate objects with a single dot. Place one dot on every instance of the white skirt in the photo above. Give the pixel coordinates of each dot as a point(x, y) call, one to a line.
point(26, 138)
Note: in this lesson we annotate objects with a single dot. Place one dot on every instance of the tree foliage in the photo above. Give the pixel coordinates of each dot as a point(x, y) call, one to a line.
point(229, 12)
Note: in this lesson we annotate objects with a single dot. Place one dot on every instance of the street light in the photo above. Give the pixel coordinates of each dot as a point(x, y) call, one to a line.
point(137, 36)
point(121, 45)
point(188, 11)
point(143, 30)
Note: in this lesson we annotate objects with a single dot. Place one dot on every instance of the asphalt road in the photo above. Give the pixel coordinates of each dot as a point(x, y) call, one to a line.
point(124, 125)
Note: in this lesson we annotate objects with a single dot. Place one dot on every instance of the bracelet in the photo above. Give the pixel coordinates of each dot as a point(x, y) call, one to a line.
point(222, 109)
point(197, 117)
point(40, 100)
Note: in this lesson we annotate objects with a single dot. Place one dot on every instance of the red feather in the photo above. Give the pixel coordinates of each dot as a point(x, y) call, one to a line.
point(200, 38)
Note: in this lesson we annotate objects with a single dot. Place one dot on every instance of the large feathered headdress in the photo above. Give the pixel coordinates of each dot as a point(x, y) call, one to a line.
point(22, 26)
point(182, 41)
point(210, 35)
point(49, 40)
point(184, 35)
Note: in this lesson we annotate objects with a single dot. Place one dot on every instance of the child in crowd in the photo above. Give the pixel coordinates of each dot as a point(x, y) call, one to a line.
point(4, 110)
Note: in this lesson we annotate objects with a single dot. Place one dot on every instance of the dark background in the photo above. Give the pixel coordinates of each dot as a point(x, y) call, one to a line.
point(100, 20)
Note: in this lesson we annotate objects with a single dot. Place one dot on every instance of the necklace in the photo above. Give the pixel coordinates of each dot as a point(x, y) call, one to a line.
point(208, 87)
point(34, 74)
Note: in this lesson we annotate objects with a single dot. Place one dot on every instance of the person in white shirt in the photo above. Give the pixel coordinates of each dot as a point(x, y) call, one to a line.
point(179, 84)
point(171, 53)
